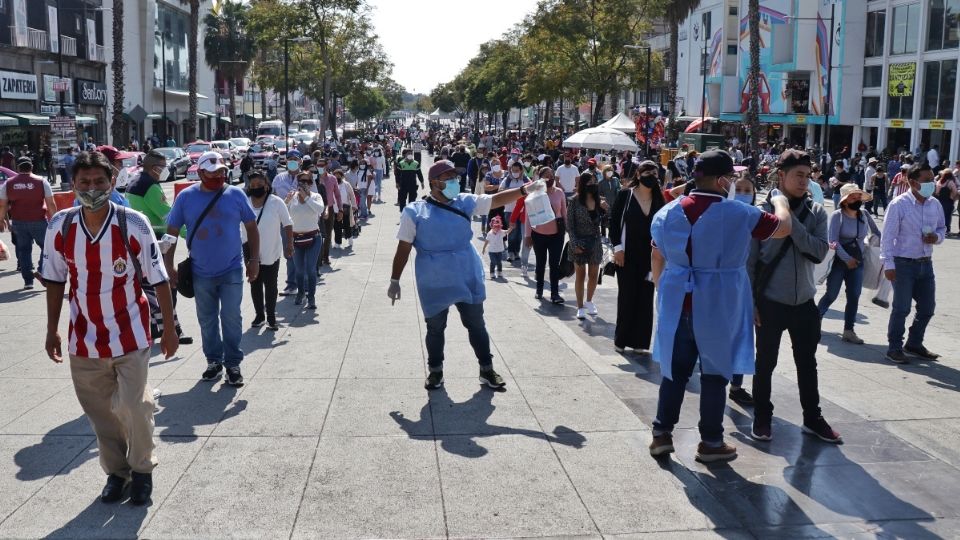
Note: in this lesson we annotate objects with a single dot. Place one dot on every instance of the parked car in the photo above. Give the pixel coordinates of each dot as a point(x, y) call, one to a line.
point(129, 170)
point(227, 150)
point(242, 144)
point(260, 152)
point(177, 161)
point(195, 149)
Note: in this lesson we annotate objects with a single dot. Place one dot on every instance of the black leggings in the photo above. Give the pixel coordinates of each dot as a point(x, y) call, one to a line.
point(542, 244)
point(342, 229)
point(263, 290)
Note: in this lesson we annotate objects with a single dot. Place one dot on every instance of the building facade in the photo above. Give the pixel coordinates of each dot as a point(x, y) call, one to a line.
point(52, 57)
point(891, 77)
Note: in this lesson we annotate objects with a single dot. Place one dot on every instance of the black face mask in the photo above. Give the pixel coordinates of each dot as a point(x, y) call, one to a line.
point(855, 206)
point(648, 181)
point(566, 162)
point(257, 192)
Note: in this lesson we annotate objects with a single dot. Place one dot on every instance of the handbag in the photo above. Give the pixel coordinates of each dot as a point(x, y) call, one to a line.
point(610, 268)
point(185, 268)
point(304, 240)
point(566, 261)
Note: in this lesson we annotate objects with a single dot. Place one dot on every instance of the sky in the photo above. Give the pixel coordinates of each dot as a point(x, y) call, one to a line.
point(430, 41)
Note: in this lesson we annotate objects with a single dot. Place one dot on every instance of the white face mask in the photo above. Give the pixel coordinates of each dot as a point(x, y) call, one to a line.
point(608, 174)
point(164, 174)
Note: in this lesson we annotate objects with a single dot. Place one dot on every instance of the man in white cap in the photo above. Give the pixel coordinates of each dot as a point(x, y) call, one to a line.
point(212, 212)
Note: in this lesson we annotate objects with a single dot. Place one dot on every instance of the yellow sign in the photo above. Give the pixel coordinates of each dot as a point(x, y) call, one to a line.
point(896, 123)
point(901, 78)
point(937, 124)
point(801, 119)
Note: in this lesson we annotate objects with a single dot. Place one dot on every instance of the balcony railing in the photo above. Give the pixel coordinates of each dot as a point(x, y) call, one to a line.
point(34, 39)
point(99, 54)
point(68, 45)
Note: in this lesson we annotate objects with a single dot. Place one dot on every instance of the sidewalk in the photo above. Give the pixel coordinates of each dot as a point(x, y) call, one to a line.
point(333, 435)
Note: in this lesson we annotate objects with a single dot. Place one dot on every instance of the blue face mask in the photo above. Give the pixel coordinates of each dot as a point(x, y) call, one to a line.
point(926, 189)
point(292, 166)
point(745, 198)
point(451, 189)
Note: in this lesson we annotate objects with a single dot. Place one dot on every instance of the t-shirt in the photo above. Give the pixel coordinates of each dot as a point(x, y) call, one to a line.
point(26, 194)
point(495, 241)
point(109, 314)
point(216, 245)
point(272, 220)
point(567, 177)
point(408, 229)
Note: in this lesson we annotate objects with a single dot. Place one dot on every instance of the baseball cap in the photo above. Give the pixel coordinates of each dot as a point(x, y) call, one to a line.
point(439, 168)
point(211, 162)
point(792, 157)
point(24, 160)
point(713, 163)
point(591, 161)
point(294, 154)
point(112, 154)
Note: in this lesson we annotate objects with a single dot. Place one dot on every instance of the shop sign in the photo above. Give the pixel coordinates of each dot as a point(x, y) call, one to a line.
point(91, 92)
point(14, 85)
point(901, 78)
point(801, 119)
point(50, 85)
point(54, 109)
point(937, 124)
point(896, 123)
point(65, 127)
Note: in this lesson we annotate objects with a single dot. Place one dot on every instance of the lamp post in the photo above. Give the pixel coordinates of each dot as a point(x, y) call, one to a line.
point(163, 75)
point(646, 124)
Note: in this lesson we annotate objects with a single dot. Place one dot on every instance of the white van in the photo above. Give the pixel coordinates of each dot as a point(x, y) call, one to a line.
point(310, 125)
point(274, 128)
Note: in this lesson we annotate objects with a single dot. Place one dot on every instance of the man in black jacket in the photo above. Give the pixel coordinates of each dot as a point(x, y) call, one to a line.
point(408, 173)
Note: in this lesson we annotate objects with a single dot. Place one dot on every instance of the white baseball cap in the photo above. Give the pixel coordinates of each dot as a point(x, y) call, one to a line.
point(211, 162)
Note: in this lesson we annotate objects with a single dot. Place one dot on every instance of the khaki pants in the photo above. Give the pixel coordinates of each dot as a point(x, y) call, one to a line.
point(114, 394)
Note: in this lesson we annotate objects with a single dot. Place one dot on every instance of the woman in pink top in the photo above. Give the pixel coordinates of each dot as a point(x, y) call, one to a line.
point(547, 239)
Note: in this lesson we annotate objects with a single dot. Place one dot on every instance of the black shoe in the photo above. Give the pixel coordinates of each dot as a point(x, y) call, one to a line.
point(141, 487)
point(741, 396)
point(434, 380)
point(185, 340)
point(921, 351)
point(154, 332)
point(298, 300)
point(821, 429)
point(272, 325)
point(257, 321)
point(882, 303)
point(539, 295)
point(897, 357)
point(213, 372)
point(113, 491)
point(492, 379)
point(233, 376)
point(557, 299)
point(311, 304)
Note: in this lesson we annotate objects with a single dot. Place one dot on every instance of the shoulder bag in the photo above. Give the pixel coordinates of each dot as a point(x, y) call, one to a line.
point(610, 269)
point(433, 202)
point(185, 268)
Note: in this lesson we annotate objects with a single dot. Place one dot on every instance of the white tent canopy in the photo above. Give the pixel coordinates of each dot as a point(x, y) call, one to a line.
point(601, 138)
point(436, 113)
point(620, 122)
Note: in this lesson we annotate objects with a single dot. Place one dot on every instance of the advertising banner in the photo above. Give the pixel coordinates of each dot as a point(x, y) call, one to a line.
point(901, 79)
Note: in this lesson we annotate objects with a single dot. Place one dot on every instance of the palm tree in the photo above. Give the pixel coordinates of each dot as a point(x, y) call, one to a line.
point(118, 125)
point(227, 45)
point(192, 47)
point(676, 12)
point(753, 77)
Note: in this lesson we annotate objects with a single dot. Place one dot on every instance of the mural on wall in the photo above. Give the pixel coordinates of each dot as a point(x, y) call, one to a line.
point(771, 82)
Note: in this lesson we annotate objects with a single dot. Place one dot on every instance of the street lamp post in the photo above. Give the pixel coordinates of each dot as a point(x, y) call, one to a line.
point(163, 75)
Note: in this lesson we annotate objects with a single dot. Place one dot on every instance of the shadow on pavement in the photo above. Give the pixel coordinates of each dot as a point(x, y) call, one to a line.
point(35, 460)
point(474, 415)
point(201, 405)
point(939, 374)
point(100, 520)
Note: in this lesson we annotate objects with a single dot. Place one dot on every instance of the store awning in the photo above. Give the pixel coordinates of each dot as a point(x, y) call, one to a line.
point(226, 119)
point(255, 116)
point(153, 116)
point(181, 93)
point(31, 119)
point(86, 120)
point(7, 121)
point(207, 114)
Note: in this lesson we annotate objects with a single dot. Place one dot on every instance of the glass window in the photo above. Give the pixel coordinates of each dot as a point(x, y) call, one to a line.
point(173, 24)
point(944, 30)
point(870, 107)
point(939, 81)
point(900, 107)
point(872, 76)
point(876, 21)
point(906, 24)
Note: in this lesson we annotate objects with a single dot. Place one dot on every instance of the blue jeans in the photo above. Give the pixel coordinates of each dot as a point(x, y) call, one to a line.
point(291, 282)
point(28, 233)
point(363, 202)
point(839, 273)
point(915, 282)
point(496, 262)
point(218, 308)
point(379, 181)
point(713, 397)
point(305, 260)
point(471, 315)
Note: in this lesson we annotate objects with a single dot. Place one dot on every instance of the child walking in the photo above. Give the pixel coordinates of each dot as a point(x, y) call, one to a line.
point(495, 240)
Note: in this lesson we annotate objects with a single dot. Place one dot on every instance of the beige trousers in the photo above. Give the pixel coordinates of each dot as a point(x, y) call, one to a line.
point(114, 394)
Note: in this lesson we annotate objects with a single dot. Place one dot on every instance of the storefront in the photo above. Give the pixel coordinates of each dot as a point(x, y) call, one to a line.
point(91, 109)
point(19, 93)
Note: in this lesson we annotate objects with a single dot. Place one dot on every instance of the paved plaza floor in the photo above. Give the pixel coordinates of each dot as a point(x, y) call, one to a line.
point(333, 435)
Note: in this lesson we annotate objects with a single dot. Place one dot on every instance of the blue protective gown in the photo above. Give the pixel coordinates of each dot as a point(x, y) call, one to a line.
point(717, 279)
point(447, 267)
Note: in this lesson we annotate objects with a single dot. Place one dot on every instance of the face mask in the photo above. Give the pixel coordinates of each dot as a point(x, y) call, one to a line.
point(495, 169)
point(94, 199)
point(515, 174)
point(304, 187)
point(649, 181)
point(408, 158)
point(745, 198)
point(451, 189)
point(164, 174)
point(257, 192)
point(213, 184)
point(926, 189)
point(855, 206)
point(292, 166)
point(608, 174)
point(592, 189)
point(526, 163)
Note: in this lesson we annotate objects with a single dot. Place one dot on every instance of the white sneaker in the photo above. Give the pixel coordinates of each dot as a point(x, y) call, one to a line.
point(350, 243)
point(591, 308)
point(581, 314)
point(338, 246)
point(523, 271)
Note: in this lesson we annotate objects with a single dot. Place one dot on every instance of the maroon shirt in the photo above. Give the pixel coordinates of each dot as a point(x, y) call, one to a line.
point(25, 194)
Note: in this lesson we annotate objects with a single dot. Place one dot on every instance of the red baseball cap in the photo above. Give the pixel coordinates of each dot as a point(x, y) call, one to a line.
point(112, 154)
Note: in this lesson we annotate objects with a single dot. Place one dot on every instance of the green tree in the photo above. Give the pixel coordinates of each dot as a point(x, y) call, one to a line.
point(367, 102)
point(228, 46)
point(753, 77)
point(675, 12)
point(392, 91)
point(118, 125)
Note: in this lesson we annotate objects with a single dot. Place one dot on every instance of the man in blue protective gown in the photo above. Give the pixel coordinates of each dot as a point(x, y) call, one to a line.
point(448, 269)
point(704, 301)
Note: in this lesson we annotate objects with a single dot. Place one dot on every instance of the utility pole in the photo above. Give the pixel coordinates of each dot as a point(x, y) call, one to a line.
point(646, 124)
point(286, 93)
point(163, 74)
point(825, 133)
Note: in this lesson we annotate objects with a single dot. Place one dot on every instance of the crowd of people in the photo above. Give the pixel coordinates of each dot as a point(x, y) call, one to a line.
point(728, 267)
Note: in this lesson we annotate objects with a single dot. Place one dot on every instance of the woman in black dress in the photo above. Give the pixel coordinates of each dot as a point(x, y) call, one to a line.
point(630, 221)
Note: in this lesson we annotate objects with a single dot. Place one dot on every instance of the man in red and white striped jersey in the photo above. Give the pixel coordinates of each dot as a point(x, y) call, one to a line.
point(104, 251)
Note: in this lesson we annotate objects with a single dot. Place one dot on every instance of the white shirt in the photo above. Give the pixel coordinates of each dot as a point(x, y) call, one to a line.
point(346, 194)
point(509, 182)
point(567, 177)
point(306, 215)
point(495, 241)
point(868, 175)
point(408, 229)
point(272, 217)
point(933, 157)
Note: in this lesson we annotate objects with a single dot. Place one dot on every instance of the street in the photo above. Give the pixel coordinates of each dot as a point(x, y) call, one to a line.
point(334, 436)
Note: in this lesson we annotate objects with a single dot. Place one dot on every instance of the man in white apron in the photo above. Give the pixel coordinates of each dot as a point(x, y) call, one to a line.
point(704, 301)
point(448, 268)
